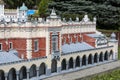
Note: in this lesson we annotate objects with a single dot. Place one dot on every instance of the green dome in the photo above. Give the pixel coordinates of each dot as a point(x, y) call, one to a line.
point(23, 7)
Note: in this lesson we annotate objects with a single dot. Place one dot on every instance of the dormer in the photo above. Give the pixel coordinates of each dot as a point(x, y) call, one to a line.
point(53, 19)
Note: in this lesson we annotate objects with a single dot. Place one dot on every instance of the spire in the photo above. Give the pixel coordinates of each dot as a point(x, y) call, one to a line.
point(53, 12)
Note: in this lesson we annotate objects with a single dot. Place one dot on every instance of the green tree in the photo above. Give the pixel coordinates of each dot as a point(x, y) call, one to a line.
point(42, 8)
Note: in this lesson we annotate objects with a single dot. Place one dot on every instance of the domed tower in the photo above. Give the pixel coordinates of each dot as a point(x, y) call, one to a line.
point(113, 42)
point(23, 13)
point(1, 10)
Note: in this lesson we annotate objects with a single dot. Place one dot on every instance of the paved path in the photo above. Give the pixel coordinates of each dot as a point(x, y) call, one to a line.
point(86, 72)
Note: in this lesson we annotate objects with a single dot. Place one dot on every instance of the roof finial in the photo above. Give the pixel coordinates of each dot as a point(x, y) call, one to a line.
point(53, 12)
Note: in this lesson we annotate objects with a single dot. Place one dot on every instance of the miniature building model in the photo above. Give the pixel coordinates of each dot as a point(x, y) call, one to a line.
point(33, 49)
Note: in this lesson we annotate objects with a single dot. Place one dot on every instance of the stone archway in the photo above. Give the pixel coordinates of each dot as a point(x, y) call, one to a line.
point(42, 69)
point(101, 57)
point(95, 57)
point(106, 56)
point(84, 60)
point(54, 66)
point(12, 74)
point(77, 61)
point(90, 59)
point(2, 75)
point(71, 63)
point(63, 64)
point(33, 72)
point(23, 73)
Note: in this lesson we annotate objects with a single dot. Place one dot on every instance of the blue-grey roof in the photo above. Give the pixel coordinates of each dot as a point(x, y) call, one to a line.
point(23, 7)
point(74, 47)
point(94, 35)
point(10, 56)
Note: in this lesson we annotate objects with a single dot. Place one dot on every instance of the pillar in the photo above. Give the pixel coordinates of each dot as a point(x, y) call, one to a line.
point(6, 76)
point(86, 61)
point(48, 71)
point(97, 59)
point(28, 74)
point(37, 69)
point(80, 62)
point(103, 57)
point(74, 64)
point(17, 75)
point(67, 65)
point(92, 60)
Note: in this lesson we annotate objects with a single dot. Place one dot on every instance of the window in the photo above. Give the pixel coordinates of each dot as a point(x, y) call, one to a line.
point(0, 46)
point(55, 43)
point(10, 45)
point(36, 45)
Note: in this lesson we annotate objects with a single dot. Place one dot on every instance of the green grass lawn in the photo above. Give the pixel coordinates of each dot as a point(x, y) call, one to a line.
point(113, 75)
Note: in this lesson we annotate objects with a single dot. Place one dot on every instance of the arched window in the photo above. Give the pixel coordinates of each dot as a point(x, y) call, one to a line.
point(42, 69)
point(23, 73)
point(106, 56)
point(63, 64)
point(101, 57)
point(95, 57)
point(2, 75)
point(84, 60)
point(54, 66)
point(90, 59)
point(71, 63)
point(77, 62)
point(12, 74)
point(33, 72)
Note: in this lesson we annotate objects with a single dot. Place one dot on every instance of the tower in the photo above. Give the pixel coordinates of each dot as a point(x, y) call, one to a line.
point(23, 13)
point(113, 42)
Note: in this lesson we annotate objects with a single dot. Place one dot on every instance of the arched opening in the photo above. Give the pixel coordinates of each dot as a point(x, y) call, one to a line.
point(95, 57)
point(63, 64)
point(70, 63)
point(111, 55)
point(77, 61)
point(90, 59)
point(84, 60)
point(33, 71)
point(101, 57)
point(12, 74)
point(42, 69)
point(106, 56)
point(23, 73)
point(2, 75)
point(54, 66)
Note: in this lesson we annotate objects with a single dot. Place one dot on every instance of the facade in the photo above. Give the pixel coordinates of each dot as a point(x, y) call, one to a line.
point(43, 48)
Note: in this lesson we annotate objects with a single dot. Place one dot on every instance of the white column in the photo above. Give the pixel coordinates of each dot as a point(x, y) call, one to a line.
point(6, 76)
point(28, 74)
point(92, 60)
point(74, 64)
point(97, 59)
point(17, 75)
point(80, 62)
point(37, 69)
point(86, 61)
point(29, 48)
